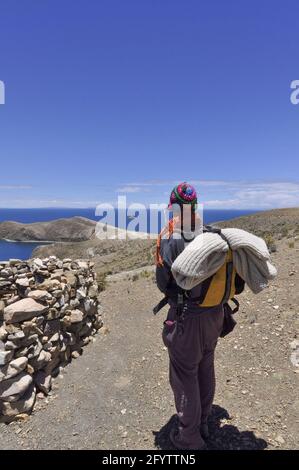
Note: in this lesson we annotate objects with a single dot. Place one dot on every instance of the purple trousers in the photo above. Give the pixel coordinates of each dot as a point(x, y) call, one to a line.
point(191, 345)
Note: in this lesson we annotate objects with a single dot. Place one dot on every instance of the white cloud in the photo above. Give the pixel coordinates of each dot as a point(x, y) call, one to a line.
point(214, 194)
point(258, 196)
point(154, 183)
point(129, 189)
point(14, 186)
point(45, 203)
point(208, 183)
point(244, 194)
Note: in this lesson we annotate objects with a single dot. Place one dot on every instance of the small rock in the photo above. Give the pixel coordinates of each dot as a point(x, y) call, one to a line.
point(17, 335)
point(104, 330)
point(76, 316)
point(41, 360)
point(81, 293)
point(5, 357)
point(3, 333)
point(93, 291)
point(294, 344)
point(43, 381)
point(14, 261)
point(30, 369)
point(295, 358)
point(279, 439)
point(22, 282)
point(38, 263)
point(54, 338)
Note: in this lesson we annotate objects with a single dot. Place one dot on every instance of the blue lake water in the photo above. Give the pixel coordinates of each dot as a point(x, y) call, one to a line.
point(24, 250)
point(16, 250)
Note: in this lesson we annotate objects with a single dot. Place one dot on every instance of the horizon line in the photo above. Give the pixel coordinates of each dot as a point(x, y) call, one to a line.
point(89, 208)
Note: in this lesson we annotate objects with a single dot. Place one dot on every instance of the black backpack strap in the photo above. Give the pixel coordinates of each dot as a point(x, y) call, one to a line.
point(211, 228)
point(239, 284)
point(237, 305)
point(205, 285)
point(160, 305)
point(228, 281)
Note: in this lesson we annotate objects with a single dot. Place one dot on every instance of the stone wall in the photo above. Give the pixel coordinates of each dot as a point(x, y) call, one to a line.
point(48, 311)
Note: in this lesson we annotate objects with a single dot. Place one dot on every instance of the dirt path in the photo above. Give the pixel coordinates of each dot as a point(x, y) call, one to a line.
point(116, 395)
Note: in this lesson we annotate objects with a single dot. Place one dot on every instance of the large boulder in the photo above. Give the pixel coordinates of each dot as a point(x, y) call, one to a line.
point(12, 389)
point(24, 309)
point(13, 368)
point(9, 410)
point(39, 295)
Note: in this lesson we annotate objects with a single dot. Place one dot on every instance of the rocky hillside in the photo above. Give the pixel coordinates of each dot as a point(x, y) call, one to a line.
point(109, 256)
point(276, 223)
point(112, 256)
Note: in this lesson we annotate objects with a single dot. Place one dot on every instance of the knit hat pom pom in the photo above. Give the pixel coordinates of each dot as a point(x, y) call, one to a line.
point(183, 193)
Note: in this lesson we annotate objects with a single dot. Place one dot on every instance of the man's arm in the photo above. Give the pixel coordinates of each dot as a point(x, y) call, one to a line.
point(163, 277)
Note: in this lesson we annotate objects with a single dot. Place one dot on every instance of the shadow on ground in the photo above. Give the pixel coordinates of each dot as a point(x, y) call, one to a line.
point(225, 437)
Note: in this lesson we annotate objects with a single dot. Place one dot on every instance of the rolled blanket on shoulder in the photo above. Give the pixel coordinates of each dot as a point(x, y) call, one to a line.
point(238, 238)
point(206, 254)
point(199, 260)
point(251, 258)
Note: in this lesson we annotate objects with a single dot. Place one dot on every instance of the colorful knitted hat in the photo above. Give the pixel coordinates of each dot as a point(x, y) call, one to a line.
point(183, 193)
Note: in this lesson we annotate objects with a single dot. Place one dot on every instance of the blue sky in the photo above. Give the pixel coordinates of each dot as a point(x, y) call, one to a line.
point(108, 97)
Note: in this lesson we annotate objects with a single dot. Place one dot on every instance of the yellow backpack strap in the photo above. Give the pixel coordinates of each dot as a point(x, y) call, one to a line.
point(219, 286)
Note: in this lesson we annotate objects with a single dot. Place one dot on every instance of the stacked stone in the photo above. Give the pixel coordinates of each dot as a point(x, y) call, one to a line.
point(49, 310)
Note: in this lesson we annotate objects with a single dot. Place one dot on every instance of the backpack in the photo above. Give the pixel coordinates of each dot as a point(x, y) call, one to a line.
point(218, 289)
point(221, 286)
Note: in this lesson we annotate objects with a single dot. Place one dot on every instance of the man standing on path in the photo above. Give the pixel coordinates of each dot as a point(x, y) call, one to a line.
point(190, 331)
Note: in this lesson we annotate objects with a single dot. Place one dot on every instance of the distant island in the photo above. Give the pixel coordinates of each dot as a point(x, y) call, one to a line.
point(73, 229)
